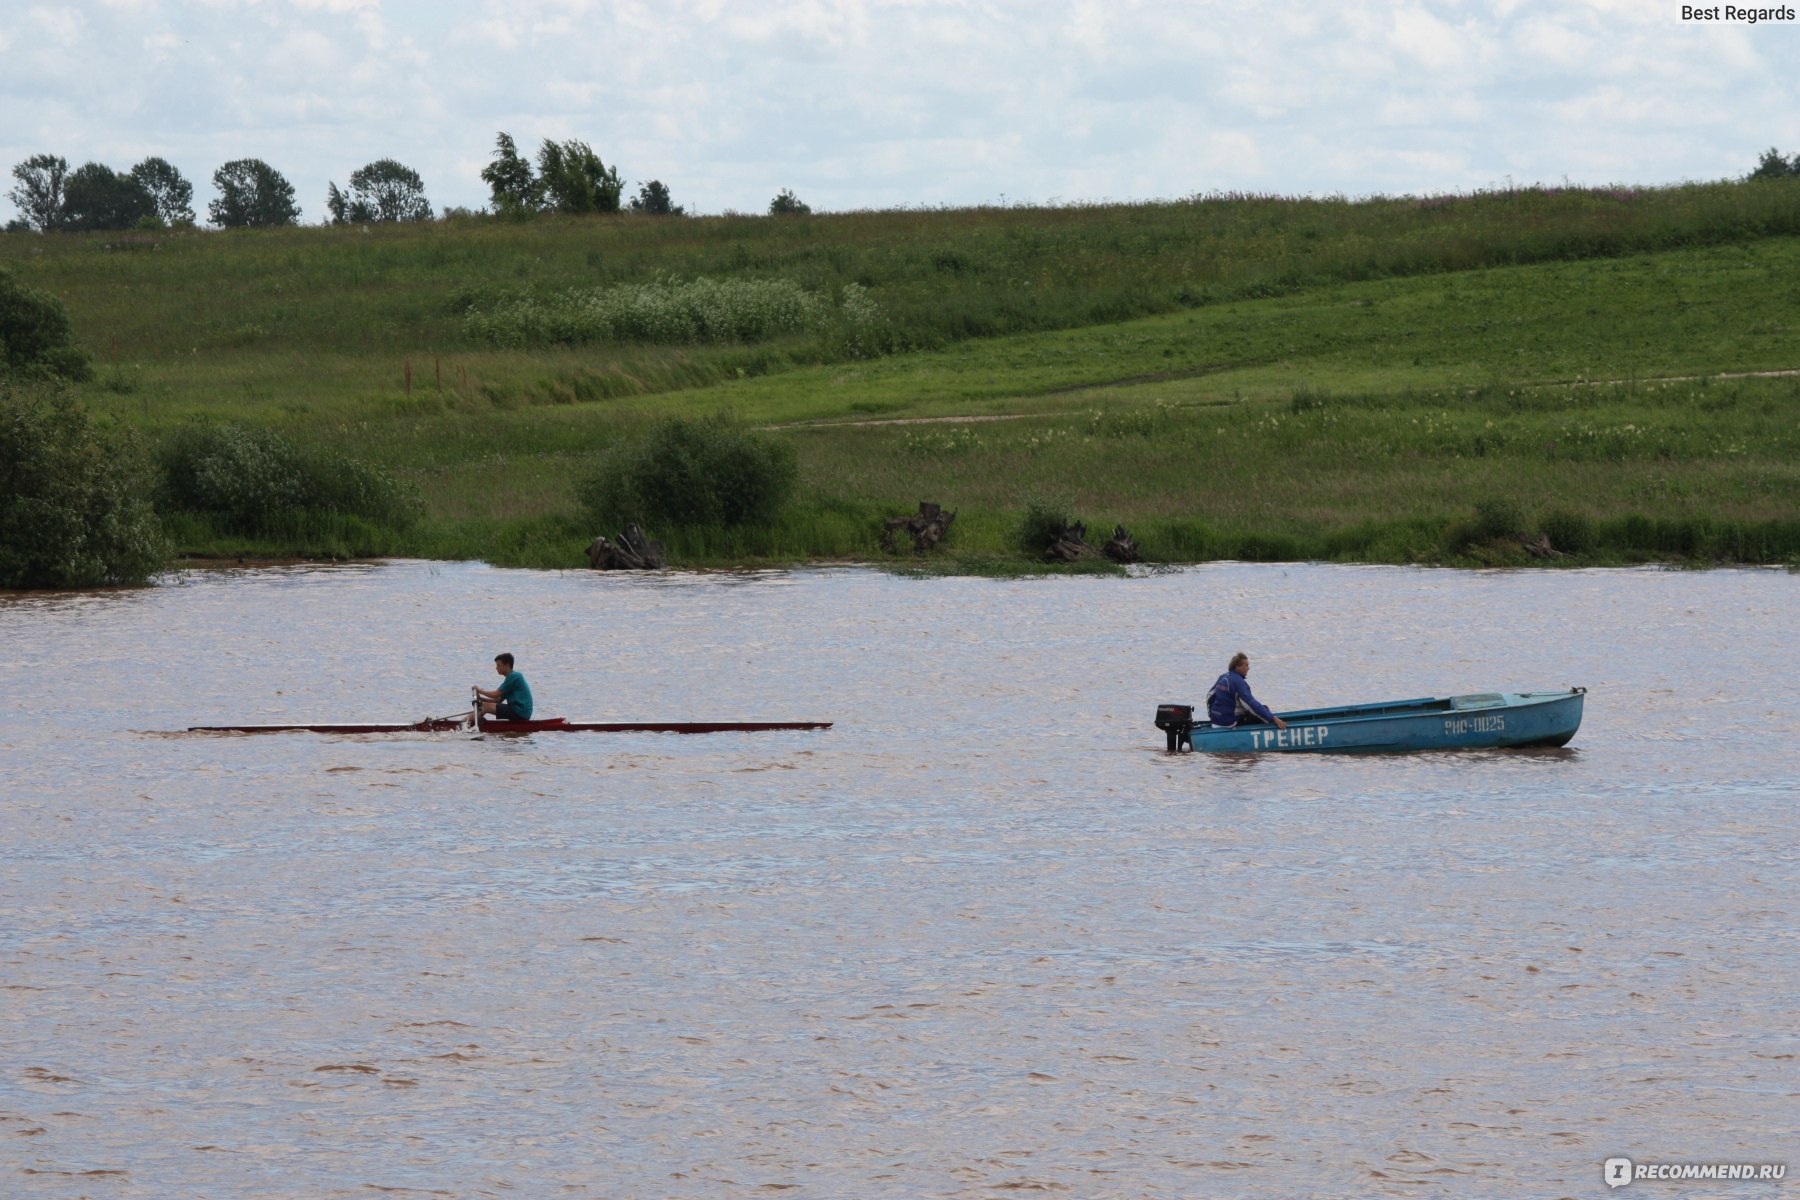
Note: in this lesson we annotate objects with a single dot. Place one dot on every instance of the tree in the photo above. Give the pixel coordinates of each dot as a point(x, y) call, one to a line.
point(786, 203)
point(653, 200)
point(252, 194)
point(572, 179)
point(39, 196)
point(509, 179)
point(35, 338)
point(73, 507)
point(384, 190)
point(1773, 166)
point(169, 190)
point(98, 197)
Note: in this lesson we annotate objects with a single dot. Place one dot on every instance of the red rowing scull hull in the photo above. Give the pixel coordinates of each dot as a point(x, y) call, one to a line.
point(548, 725)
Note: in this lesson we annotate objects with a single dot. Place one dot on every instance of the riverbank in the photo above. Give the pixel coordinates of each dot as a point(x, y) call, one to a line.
point(1629, 407)
point(1367, 423)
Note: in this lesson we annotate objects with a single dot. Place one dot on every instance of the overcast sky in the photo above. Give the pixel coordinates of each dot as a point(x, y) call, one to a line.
point(897, 103)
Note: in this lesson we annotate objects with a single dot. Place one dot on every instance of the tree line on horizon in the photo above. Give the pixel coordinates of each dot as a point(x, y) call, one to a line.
point(569, 177)
point(1774, 166)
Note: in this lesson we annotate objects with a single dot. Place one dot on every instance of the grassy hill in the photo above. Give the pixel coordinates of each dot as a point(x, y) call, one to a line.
point(1390, 380)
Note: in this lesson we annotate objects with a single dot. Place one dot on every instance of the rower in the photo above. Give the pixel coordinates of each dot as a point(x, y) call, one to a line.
point(1230, 700)
point(511, 701)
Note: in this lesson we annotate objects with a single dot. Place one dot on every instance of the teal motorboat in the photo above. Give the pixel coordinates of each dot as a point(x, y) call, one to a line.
point(1481, 721)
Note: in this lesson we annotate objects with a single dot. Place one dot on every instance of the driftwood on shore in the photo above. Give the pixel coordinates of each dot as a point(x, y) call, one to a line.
point(1120, 547)
point(1070, 545)
point(632, 552)
point(927, 528)
point(1540, 547)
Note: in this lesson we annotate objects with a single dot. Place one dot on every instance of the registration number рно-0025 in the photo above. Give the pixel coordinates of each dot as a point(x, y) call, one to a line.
point(1475, 725)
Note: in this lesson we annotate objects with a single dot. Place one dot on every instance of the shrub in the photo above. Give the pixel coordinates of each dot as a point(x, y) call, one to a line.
point(73, 511)
point(1498, 517)
point(1570, 532)
point(711, 471)
point(35, 339)
point(1041, 524)
point(1494, 519)
point(255, 480)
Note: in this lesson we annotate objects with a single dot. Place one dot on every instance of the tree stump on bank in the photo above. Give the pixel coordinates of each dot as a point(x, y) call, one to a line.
point(1540, 547)
point(1069, 545)
point(927, 527)
point(1120, 548)
point(632, 552)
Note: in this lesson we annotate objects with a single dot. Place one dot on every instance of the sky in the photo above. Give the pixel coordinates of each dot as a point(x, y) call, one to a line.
point(857, 104)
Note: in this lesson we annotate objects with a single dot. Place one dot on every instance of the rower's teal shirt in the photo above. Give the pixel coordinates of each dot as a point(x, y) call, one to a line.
point(516, 692)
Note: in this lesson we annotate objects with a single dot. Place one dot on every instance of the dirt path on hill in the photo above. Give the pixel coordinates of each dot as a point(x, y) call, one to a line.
point(1165, 376)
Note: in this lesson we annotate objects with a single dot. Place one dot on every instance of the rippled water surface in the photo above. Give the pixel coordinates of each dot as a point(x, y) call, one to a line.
point(981, 939)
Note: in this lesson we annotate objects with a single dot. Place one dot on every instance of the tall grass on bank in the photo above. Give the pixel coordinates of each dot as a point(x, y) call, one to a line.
point(669, 312)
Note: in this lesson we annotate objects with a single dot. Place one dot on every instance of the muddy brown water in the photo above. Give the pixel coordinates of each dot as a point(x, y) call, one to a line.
point(981, 939)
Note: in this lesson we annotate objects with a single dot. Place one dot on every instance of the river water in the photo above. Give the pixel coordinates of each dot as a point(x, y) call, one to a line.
point(983, 938)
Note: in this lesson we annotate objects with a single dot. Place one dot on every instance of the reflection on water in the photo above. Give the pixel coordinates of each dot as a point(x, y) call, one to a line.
point(983, 938)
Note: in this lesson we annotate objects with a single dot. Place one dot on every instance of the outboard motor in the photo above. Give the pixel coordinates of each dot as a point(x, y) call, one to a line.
point(1177, 721)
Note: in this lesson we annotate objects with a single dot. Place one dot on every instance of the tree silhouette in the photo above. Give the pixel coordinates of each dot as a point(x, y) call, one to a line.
point(1773, 166)
point(39, 196)
point(385, 190)
point(572, 179)
point(169, 190)
point(509, 179)
point(653, 200)
point(98, 197)
point(786, 203)
point(252, 194)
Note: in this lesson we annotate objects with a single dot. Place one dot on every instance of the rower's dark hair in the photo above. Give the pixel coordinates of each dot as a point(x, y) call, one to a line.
point(1239, 657)
point(504, 657)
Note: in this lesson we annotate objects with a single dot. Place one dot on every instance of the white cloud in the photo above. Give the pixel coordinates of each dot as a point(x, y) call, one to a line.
point(869, 103)
point(1429, 42)
point(62, 26)
point(338, 6)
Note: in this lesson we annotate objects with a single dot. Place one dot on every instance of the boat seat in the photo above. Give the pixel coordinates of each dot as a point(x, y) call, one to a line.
point(1478, 700)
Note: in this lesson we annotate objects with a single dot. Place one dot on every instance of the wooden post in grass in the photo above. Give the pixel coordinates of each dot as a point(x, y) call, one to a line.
point(409, 376)
point(437, 370)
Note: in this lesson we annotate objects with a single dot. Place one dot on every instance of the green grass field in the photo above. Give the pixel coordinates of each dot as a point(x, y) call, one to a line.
point(1250, 378)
